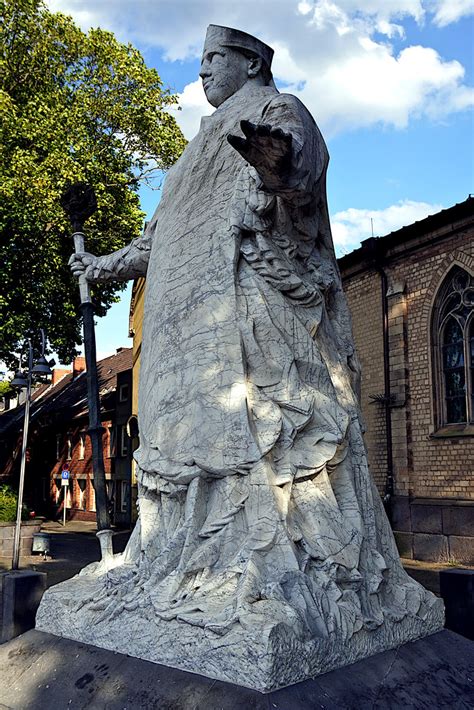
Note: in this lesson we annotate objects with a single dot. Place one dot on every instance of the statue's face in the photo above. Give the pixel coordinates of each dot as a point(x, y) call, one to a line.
point(223, 72)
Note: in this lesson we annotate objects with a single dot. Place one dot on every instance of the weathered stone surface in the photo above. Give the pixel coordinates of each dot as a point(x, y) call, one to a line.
point(404, 542)
point(432, 548)
point(263, 554)
point(461, 549)
point(7, 534)
point(400, 511)
point(426, 519)
point(459, 520)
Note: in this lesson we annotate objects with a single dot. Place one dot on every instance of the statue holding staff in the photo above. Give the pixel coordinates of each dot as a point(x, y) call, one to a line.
point(261, 534)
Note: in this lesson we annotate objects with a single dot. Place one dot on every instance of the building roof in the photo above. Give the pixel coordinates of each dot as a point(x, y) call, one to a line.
point(376, 249)
point(67, 399)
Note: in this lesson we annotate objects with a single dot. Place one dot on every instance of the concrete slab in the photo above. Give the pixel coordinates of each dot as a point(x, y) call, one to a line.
point(41, 671)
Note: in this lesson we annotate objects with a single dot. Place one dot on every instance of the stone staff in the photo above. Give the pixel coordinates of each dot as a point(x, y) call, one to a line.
point(79, 202)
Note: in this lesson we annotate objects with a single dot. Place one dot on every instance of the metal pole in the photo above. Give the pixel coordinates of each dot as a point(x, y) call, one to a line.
point(79, 203)
point(64, 504)
point(16, 541)
point(96, 429)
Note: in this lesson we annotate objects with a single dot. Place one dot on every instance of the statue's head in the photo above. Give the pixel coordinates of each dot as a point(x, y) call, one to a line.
point(230, 59)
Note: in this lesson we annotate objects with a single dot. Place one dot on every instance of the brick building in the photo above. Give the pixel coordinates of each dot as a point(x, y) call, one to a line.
point(411, 294)
point(57, 439)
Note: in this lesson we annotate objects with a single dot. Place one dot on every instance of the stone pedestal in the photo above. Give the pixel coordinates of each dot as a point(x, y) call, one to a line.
point(263, 659)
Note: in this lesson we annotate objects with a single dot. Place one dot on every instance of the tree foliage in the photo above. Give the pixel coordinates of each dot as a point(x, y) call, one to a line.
point(73, 107)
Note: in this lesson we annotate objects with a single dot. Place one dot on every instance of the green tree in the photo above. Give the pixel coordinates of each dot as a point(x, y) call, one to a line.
point(73, 106)
point(6, 389)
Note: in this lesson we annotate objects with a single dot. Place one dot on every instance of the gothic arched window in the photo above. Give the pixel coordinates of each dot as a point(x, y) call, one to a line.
point(453, 341)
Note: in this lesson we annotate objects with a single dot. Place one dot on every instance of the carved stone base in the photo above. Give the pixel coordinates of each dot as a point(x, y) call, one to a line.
point(260, 659)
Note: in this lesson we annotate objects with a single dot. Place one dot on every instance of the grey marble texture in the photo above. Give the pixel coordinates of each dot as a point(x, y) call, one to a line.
point(263, 554)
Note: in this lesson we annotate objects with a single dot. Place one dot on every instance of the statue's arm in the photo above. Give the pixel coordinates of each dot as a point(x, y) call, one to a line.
point(126, 264)
point(286, 150)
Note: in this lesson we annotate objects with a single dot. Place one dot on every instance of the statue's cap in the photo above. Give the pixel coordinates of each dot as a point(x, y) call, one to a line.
point(218, 36)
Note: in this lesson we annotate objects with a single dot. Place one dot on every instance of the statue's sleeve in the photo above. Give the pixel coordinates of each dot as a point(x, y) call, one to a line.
point(309, 156)
point(126, 264)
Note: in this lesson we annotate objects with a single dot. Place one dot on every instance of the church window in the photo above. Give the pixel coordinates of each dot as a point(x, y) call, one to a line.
point(453, 339)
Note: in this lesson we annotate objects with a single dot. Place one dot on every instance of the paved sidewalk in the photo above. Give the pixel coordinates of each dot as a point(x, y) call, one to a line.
point(39, 671)
point(72, 548)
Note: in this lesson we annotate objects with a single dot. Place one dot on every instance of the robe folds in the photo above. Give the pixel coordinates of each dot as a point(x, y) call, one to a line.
point(256, 503)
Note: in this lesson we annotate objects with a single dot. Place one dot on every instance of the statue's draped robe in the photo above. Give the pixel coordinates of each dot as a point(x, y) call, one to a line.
point(251, 458)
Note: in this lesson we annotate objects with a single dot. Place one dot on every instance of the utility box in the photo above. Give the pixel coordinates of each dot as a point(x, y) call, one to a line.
point(457, 589)
point(20, 595)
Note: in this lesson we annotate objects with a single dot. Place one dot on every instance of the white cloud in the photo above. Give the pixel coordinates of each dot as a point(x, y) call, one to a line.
point(193, 106)
point(328, 52)
point(352, 226)
point(448, 11)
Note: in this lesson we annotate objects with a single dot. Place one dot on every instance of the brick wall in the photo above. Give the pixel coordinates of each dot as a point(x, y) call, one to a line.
point(424, 466)
point(80, 504)
point(364, 297)
point(430, 468)
point(439, 467)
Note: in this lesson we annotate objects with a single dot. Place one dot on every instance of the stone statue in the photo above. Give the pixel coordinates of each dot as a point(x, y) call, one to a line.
point(262, 554)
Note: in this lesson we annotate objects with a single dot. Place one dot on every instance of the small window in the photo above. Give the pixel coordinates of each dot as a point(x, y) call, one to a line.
point(82, 446)
point(112, 441)
point(453, 339)
point(58, 447)
point(69, 447)
point(123, 440)
point(124, 497)
point(123, 393)
point(58, 490)
point(82, 483)
point(92, 497)
point(69, 493)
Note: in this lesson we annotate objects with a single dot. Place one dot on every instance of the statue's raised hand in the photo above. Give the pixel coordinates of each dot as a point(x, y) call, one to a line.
point(268, 149)
point(84, 263)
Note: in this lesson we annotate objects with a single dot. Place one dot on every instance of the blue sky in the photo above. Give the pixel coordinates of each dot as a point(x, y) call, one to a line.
point(389, 82)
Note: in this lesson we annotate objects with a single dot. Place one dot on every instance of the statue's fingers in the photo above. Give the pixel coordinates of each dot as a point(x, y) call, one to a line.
point(80, 257)
point(263, 129)
point(279, 134)
point(248, 128)
point(238, 143)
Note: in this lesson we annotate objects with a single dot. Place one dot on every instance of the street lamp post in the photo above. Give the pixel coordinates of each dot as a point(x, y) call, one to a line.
point(20, 381)
point(79, 203)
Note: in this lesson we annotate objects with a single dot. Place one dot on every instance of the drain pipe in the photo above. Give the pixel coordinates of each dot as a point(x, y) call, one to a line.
point(374, 247)
point(389, 483)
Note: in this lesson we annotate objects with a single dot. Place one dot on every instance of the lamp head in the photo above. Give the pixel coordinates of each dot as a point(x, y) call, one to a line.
point(79, 202)
point(42, 368)
point(19, 381)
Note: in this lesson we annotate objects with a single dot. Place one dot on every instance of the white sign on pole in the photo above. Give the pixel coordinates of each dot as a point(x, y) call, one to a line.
point(65, 484)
